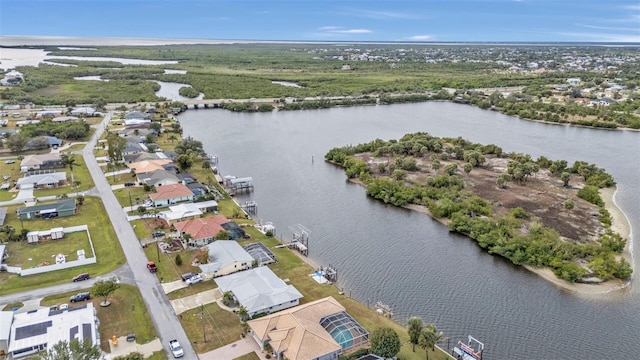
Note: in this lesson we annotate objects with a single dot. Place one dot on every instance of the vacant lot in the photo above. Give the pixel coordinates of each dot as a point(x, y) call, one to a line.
point(43, 253)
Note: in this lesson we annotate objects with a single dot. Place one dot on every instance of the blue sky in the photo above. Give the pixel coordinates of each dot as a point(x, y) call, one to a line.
point(400, 20)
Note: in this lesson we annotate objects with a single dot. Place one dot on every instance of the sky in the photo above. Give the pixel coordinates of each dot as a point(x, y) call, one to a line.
point(327, 20)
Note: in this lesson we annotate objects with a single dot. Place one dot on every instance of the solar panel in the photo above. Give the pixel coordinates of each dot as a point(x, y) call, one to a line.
point(32, 330)
point(86, 332)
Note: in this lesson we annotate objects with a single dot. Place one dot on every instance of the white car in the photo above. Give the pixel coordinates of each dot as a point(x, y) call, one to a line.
point(194, 279)
point(176, 349)
point(63, 307)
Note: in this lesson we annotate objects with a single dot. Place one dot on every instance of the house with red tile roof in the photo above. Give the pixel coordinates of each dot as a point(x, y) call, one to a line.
point(202, 230)
point(171, 194)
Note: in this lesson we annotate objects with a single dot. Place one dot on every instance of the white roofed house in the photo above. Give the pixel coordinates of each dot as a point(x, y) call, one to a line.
point(226, 257)
point(39, 330)
point(259, 290)
point(42, 180)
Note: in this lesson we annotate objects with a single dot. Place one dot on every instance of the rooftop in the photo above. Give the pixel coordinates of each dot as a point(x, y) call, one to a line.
point(170, 192)
point(202, 228)
point(223, 253)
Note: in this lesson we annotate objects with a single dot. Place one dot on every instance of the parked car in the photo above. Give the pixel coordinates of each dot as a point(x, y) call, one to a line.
point(131, 337)
point(80, 297)
point(158, 234)
point(152, 266)
point(10, 162)
point(176, 349)
point(129, 184)
point(81, 277)
point(186, 276)
point(194, 279)
point(63, 307)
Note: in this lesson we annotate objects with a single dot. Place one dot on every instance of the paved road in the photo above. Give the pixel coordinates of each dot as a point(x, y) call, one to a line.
point(158, 305)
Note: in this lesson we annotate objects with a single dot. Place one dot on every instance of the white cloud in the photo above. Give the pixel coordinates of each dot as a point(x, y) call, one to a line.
point(610, 28)
point(632, 7)
point(420, 37)
point(342, 30)
point(381, 15)
point(601, 37)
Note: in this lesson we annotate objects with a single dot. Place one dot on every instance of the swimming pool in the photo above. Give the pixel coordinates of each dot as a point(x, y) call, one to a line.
point(342, 336)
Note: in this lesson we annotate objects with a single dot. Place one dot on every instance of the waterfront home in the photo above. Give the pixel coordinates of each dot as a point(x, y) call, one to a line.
point(42, 180)
point(41, 162)
point(158, 178)
point(83, 111)
point(197, 188)
point(147, 166)
point(226, 257)
point(188, 211)
point(137, 115)
point(259, 290)
point(202, 230)
point(170, 194)
point(142, 156)
point(321, 329)
point(65, 207)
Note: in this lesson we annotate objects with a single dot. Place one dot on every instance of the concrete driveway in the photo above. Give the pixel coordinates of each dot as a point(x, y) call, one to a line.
point(173, 286)
point(191, 302)
point(125, 348)
point(234, 350)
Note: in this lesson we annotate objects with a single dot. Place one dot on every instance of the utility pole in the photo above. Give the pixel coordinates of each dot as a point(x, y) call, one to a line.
point(130, 203)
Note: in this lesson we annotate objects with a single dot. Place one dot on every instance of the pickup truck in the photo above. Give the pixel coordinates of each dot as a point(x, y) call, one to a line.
point(176, 349)
point(152, 266)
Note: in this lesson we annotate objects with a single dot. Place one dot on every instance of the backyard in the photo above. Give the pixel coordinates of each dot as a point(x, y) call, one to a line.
point(107, 247)
point(28, 255)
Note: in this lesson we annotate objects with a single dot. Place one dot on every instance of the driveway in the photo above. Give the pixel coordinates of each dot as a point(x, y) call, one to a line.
point(234, 350)
point(191, 302)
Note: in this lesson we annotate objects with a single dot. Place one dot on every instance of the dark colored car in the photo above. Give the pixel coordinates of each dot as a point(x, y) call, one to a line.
point(131, 337)
point(158, 234)
point(129, 184)
point(187, 276)
point(80, 297)
point(81, 277)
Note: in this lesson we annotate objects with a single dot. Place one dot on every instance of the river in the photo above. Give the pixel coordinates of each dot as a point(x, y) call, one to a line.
point(406, 259)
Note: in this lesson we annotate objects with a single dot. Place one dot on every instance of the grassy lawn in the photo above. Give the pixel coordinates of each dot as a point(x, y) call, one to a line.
point(127, 313)
point(105, 242)
point(80, 173)
point(249, 356)
point(137, 195)
point(220, 326)
point(167, 268)
point(76, 147)
point(192, 289)
point(158, 355)
point(13, 170)
point(31, 255)
point(121, 179)
point(10, 307)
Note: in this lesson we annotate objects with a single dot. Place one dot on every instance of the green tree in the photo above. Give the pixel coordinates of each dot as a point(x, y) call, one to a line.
point(104, 288)
point(189, 143)
point(38, 143)
point(223, 235)
point(565, 177)
point(429, 337)
point(115, 147)
point(76, 350)
point(385, 342)
point(132, 356)
point(178, 260)
point(243, 313)
point(16, 142)
point(70, 161)
point(184, 161)
point(415, 328)
point(172, 138)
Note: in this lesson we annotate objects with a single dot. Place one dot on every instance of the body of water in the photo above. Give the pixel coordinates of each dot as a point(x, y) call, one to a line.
point(171, 91)
point(406, 259)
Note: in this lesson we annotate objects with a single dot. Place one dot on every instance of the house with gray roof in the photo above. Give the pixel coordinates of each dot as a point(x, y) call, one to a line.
point(38, 330)
point(66, 207)
point(40, 162)
point(158, 178)
point(226, 257)
point(42, 180)
point(137, 115)
point(259, 290)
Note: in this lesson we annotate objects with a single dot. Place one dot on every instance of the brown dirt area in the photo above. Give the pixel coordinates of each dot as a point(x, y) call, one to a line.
point(542, 196)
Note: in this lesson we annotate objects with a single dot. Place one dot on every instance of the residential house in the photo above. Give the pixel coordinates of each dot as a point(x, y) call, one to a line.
point(66, 207)
point(259, 291)
point(135, 133)
point(201, 230)
point(137, 115)
point(142, 156)
point(41, 162)
point(158, 178)
point(601, 102)
point(171, 194)
point(226, 257)
point(132, 148)
point(52, 142)
point(573, 81)
point(6, 319)
point(137, 124)
point(63, 119)
point(42, 180)
point(48, 114)
point(39, 330)
point(186, 178)
point(197, 188)
point(83, 111)
point(188, 211)
point(235, 231)
point(319, 330)
point(147, 166)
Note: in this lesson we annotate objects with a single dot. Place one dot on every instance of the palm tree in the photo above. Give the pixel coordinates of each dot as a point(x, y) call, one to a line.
point(242, 312)
point(172, 138)
point(429, 336)
point(415, 329)
point(69, 160)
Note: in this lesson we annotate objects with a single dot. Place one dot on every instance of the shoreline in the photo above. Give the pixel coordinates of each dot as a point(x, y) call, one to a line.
point(620, 224)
